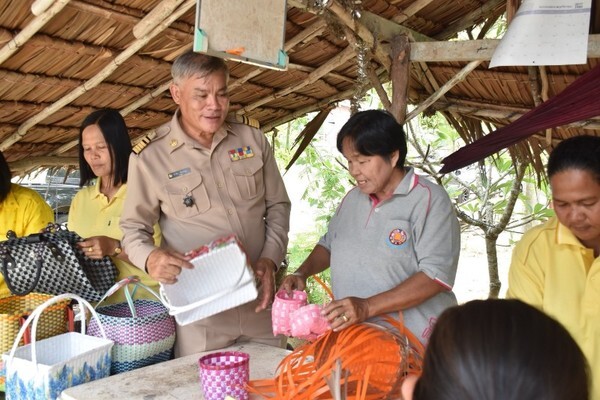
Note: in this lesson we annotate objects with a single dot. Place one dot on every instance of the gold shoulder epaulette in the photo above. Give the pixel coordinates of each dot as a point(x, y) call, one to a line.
point(143, 142)
point(242, 119)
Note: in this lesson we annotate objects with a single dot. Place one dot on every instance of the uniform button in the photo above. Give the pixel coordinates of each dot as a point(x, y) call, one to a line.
point(220, 185)
point(247, 171)
point(230, 211)
point(185, 189)
point(173, 143)
point(377, 210)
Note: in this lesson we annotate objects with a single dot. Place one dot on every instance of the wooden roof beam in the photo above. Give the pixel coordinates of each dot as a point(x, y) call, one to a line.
point(93, 82)
point(411, 10)
point(468, 20)
point(459, 77)
point(35, 25)
point(126, 15)
point(32, 163)
point(317, 74)
point(318, 106)
point(494, 112)
point(472, 50)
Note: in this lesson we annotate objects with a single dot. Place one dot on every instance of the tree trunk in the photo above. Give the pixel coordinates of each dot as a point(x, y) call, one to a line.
point(492, 258)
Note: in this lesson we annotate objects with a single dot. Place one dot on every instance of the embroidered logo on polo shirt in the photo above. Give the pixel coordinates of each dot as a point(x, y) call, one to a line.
point(397, 237)
point(240, 153)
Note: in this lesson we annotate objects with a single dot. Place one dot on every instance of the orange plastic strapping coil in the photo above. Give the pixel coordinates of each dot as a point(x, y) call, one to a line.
point(373, 362)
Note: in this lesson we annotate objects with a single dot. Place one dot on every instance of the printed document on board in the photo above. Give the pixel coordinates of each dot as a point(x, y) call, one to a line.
point(546, 32)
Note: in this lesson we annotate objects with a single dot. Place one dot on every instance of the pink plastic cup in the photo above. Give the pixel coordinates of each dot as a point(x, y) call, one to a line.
point(225, 374)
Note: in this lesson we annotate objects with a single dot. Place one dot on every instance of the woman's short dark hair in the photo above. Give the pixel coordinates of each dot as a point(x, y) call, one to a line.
point(501, 349)
point(578, 152)
point(5, 177)
point(375, 133)
point(113, 128)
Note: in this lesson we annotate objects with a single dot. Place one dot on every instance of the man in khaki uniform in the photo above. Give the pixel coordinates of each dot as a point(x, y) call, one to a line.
point(202, 178)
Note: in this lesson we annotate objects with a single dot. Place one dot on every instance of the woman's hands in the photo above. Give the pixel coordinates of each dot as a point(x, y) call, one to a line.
point(295, 281)
point(345, 312)
point(99, 246)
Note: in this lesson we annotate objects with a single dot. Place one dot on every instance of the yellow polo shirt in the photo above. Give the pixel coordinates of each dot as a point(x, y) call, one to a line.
point(91, 214)
point(25, 212)
point(553, 271)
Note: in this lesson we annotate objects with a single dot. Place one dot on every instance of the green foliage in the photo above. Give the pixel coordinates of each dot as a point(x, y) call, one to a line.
point(480, 192)
point(298, 251)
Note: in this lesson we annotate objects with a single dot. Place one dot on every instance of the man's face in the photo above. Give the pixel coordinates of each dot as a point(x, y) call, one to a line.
point(203, 102)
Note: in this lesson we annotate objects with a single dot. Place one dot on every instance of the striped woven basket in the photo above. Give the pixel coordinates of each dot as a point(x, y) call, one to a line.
point(15, 309)
point(143, 330)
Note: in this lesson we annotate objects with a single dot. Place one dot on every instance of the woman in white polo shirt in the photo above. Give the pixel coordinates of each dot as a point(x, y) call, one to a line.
point(394, 241)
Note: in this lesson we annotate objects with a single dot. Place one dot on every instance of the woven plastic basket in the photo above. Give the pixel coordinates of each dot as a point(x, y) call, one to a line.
point(283, 307)
point(15, 309)
point(365, 360)
point(43, 369)
point(225, 374)
point(143, 330)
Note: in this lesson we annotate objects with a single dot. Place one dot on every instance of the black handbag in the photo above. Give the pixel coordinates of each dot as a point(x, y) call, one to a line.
point(50, 262)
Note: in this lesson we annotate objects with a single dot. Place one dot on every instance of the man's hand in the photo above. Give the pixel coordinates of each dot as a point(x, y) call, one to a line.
point(164, 266)
point(264, 269)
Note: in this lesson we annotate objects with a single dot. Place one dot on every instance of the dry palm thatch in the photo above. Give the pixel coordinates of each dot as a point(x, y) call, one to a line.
point(62, 59)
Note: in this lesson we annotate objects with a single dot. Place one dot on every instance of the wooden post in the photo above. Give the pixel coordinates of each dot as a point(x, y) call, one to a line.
point(400, 53)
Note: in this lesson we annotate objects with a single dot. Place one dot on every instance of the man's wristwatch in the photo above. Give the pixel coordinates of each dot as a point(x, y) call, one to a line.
point(118, 250)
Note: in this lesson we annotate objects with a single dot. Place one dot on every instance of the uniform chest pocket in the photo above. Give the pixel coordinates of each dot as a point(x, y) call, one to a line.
point(188, 196)
point(396, 239)
point(248, 176)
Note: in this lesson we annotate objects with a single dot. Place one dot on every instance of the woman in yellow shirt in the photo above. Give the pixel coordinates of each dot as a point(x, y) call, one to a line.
point(104, 149)
point(22, 211)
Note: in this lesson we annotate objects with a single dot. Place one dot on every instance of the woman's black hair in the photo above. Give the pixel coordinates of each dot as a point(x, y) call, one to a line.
point(375, 133)
point(578, 152)
point(113, 128)
point(501, 349)
point(5, 177)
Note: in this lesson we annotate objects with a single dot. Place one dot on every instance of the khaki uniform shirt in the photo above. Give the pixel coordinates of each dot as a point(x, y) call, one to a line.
point(235, 187)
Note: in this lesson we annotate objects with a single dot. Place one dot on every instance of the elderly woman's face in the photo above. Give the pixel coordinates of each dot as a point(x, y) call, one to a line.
point(373, 174)
point(576, 199)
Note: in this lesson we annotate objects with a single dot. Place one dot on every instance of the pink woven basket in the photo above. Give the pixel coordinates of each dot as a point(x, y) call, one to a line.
point(308, 323)
point(225, 374)
point(283, 307)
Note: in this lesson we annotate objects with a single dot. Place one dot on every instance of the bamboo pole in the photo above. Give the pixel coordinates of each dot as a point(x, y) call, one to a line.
point(35, 25)
point(334, 62)
point(154, 17)
point(29, 163)
point(39, 6)
point(411, 10)
point(462, 74)
point(96, 80)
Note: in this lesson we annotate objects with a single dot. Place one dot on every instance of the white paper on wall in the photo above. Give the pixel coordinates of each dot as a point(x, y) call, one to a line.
point(546, 32)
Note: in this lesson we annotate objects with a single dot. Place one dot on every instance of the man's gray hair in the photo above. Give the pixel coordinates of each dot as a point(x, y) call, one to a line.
point(191, 63)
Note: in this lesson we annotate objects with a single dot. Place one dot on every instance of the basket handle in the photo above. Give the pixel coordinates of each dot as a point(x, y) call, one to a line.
point(124, 284)
point(35, 237)
point(35, 316)
point(173, 310)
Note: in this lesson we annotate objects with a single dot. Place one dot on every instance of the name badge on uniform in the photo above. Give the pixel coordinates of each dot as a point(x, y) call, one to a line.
point(175, 174)
point(240, 153)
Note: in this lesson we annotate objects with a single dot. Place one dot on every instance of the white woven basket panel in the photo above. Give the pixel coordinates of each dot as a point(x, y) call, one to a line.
point(221, 276)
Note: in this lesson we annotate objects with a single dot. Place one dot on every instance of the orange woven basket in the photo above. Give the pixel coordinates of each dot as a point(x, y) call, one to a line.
point(364, 361)
point(14, 309)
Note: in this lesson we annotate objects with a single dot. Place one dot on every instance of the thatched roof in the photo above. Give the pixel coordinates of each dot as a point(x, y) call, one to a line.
point(81, 55)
